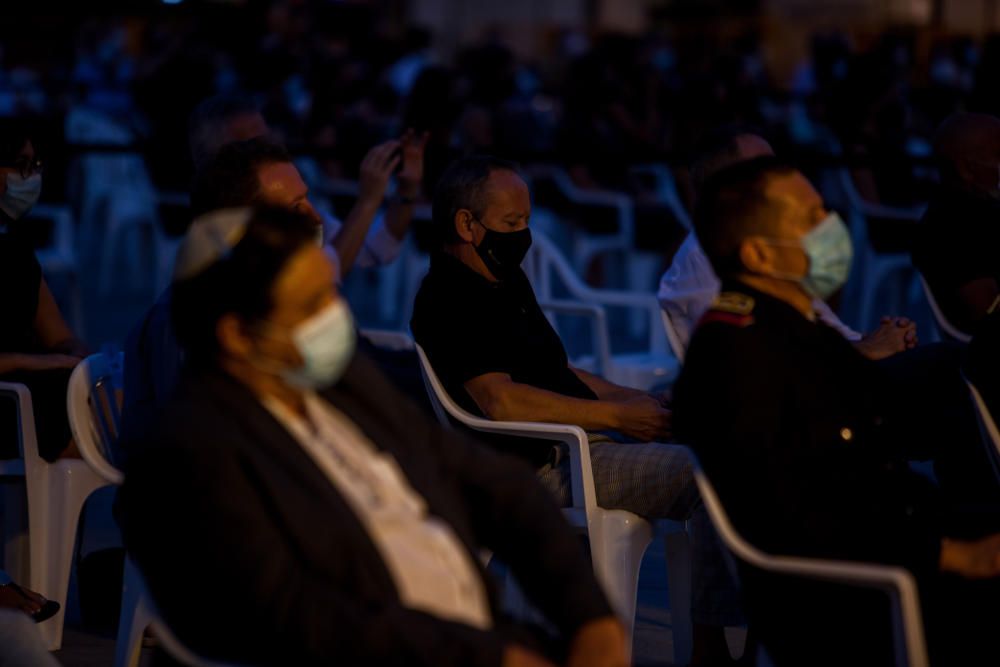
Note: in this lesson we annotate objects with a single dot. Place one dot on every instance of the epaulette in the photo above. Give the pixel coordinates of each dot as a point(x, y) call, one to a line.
point(732, 308)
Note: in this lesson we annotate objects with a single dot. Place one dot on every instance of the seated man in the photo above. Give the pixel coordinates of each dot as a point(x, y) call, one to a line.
point(791, 425)
point(956, 247)
point(242, 173)
point(689, 286)
point(331, 521)
point(363, 238)
point(477, 318)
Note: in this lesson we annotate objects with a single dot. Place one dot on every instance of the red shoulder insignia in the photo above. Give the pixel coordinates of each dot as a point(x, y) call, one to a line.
point(732, 319)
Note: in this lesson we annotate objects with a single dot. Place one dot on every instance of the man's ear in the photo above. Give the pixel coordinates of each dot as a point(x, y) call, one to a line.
point(755, 256)
point(463, 225)
point(234, 341)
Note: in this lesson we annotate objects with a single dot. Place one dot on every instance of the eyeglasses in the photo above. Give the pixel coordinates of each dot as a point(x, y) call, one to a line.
point(27, 167)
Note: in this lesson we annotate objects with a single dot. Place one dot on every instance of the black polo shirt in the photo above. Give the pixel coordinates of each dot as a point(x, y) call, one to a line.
point(470, 326)
point(958, 242)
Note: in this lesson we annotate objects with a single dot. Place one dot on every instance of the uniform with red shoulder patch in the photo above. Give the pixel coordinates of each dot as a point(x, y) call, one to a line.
point(732, 308)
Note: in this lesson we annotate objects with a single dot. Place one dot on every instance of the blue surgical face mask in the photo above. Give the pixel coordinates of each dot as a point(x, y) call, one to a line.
point(22, 193)
point(326, 342)
point(829, 249)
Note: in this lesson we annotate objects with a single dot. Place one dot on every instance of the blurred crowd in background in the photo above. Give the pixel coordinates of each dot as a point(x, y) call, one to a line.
point(334, 79)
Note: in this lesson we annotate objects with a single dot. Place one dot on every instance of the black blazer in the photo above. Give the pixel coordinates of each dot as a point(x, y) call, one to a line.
point(253, 555)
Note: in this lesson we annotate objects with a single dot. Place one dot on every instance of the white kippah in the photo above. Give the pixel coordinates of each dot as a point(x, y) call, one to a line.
point(210, 238)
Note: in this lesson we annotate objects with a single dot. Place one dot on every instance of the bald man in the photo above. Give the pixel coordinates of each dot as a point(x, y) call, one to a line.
point(956, 249)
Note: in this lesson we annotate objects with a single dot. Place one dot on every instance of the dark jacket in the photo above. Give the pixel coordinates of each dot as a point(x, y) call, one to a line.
point(790, 424)
point(253, 555)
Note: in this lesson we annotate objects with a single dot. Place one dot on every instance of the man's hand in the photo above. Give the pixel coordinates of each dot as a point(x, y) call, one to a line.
point(979, 559)
point(411, 175)
point(518, 656)
point(644, 419)
point(894, 335)
point(600, 643)
point(376, 170)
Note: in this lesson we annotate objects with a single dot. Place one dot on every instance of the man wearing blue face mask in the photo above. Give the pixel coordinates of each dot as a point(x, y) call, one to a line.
point(797, 430)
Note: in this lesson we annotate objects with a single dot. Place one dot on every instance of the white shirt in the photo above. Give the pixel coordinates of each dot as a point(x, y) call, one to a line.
point(432, 570)
point(381, 247)
point(690, 285)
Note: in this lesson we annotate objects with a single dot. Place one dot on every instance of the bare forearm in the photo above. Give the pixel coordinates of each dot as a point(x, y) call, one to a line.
point(520, 402)
point(352, 234)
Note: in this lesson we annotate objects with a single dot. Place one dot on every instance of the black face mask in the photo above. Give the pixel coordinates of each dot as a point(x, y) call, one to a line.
point(503, 252)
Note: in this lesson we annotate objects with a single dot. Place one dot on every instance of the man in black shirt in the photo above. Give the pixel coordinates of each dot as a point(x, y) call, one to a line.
point(791, 425)
point(956, 249)
point(477, 318)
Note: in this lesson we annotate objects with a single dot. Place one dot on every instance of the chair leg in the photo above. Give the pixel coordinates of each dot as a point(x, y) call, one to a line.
point(72, 482)
point(678, 552)
point(16, 551)
point(618, 542)
point(134, 619)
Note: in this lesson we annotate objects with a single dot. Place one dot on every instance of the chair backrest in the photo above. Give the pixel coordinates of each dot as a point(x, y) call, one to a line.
point(390, 340)
point(171, 644)
point(987, 427)
point(545, 260)
point(94, 417)
point(898, 583)
point(947, 328)
point(27, 439)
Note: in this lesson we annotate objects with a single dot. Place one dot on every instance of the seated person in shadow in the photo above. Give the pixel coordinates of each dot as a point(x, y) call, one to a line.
point(338, 524)
point(924, 379)
point(244, 173)
point(477, 318)
point(792, 426)
point(960, 231)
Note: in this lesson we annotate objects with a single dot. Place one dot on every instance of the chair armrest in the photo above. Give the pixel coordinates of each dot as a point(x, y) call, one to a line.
point(25, 415)
point(575, 438)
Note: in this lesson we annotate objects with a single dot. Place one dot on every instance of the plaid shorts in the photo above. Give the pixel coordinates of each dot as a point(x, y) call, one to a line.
point(656, 481)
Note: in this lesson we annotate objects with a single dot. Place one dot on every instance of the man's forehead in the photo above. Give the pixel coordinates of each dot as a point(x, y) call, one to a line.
point(281, 178)
point(793, 188)
point(505, 188)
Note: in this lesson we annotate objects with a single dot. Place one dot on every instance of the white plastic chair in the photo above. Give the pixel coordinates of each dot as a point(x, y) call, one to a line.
point(115, 196)
point(134, 592)
point(907, 621)
point(948, 329)
point(56, 494)
point(390, 340)
point(642, 370)
point(618, 539)
point(873, 270)
point(588, 246)
point(987, 427)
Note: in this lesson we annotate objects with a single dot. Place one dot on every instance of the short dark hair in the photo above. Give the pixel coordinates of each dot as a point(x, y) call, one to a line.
point(240, 283)
point(14, 134)
point(230, 179)
point(733, 206)
point(463, 185)
point(717, 149)
point(208, 120)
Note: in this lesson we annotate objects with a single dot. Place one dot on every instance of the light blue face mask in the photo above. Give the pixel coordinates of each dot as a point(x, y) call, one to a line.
point(829, 249)
point(326, 343)
point(22, 193)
